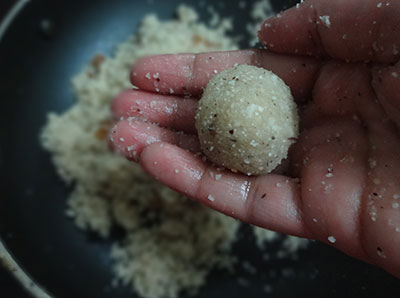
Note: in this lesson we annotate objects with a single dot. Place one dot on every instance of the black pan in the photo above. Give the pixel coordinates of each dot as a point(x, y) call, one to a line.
point(47, 43)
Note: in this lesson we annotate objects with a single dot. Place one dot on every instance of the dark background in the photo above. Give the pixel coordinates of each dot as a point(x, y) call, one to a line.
point(9, 288)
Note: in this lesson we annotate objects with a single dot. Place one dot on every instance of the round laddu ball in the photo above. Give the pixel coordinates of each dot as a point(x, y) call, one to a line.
point(246, 120)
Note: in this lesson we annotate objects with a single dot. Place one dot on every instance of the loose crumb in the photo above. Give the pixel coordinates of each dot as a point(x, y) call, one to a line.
point(325, 20)
point(380, 253)
point(331, 239)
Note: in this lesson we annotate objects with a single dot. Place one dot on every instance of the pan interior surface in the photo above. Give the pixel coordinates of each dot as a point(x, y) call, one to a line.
point(48, 43)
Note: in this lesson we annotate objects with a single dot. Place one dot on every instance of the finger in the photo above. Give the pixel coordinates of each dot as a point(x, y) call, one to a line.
point(344, 89)
point(270, 201)
point(168, 111)
point(129, 137)
point(380, 213)
point(386, 83)
point(331, 159)
point(190, 73)
point(359, 30)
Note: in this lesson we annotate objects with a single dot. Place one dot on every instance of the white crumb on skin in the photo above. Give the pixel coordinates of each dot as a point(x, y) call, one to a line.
point(211, 198)
point(372, 163)
point(373, 212)
point(325, 20)
point(332, 239)
point(380, 253)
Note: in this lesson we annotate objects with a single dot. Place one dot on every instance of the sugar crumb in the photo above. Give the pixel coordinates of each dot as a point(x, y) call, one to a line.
point(331, 239)
point(380, 253)
point(325, 20)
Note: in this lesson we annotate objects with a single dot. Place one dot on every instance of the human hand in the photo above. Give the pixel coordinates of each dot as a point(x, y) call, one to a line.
point(342, 184)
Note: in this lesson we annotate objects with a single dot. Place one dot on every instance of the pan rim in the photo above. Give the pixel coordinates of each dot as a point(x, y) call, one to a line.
point(11, 15)
point(10, 264)
point(6, 259)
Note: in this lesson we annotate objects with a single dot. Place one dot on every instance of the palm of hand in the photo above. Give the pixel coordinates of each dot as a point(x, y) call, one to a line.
point(347, 156)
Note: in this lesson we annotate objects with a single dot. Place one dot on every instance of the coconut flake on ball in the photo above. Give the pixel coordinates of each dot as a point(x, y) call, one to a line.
point(246, 120)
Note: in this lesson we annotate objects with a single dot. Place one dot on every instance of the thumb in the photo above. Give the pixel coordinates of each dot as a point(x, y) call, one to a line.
point(357, 30)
